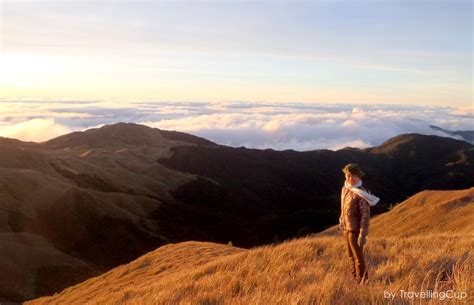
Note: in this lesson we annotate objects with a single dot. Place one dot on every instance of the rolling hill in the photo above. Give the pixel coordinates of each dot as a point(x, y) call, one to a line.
point(425, 243)
point(466, 135)
point(78, 205)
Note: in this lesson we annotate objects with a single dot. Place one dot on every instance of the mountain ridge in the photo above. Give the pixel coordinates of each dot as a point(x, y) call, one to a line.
point(123, 134)
point(86, 201)
point(466, 135)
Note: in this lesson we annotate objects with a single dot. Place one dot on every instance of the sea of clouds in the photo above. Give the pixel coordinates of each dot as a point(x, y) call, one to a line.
point(298, 126)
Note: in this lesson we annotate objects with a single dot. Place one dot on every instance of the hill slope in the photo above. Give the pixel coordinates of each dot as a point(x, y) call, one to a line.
point(305, 270)
point(437, 212)
point(86, 202)
point(466, 135)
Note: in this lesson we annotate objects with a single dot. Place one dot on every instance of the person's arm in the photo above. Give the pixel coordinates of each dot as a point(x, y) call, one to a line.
point(341, 227)
point(364, 220)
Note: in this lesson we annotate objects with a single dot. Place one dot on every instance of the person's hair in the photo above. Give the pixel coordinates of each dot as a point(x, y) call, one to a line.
point(354, 169)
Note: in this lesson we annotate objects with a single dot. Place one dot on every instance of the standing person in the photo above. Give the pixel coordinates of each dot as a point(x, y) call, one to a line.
point(354, 219)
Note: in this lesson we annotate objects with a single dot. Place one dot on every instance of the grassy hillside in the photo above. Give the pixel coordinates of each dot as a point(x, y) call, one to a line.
point(425, 212)
point(424, 244)
point(83, 203)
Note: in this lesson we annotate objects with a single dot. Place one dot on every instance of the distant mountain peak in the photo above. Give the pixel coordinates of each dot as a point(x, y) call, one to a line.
point(466, 135)
point(410, 142)
point(121, 134)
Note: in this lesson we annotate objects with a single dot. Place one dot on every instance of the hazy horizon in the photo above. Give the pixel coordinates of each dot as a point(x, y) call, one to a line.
point(388, 52)
point(261, 74)
point(295, 126)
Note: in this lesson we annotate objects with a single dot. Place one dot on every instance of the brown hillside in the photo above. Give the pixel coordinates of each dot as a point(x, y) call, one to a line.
point(429, 212)
point(310, 270)
point(425, 212)
point(105, 196)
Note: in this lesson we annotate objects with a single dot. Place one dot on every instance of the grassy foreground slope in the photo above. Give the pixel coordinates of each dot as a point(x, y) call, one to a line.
point(423, 244)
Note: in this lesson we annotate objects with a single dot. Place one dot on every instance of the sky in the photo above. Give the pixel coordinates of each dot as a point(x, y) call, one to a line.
point(289, 74)
point(363, 52)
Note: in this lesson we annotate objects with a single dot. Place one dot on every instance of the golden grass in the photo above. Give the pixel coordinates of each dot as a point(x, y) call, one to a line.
point(428, 212)
point(310, 270)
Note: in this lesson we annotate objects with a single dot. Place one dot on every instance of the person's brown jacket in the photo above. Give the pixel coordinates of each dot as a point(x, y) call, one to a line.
point(355, 212)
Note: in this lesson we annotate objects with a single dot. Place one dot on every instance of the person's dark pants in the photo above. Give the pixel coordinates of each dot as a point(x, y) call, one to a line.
point(356, 255)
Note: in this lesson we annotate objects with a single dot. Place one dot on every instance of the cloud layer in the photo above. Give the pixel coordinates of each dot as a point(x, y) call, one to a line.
point(255, 125)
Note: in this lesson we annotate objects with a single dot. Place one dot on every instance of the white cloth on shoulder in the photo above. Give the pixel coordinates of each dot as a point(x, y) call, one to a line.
point(371, 199)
